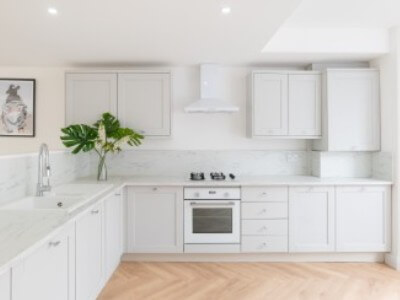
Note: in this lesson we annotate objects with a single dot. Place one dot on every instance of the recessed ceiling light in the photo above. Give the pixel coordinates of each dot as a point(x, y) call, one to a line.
point(52, 11)
point(226, 10)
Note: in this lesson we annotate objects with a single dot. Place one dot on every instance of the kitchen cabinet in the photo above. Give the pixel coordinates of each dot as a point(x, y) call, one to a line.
point(305, 105)
point(351, 111)
point(5, 284)
point(269, 106)
point(155, 219)
point(47, 273)
point(363, 219)
point(113, 227)
point(311, 219)
point(89, 253)
point(144, 102)
point(284, 104)
point(88, 95)
point(264, 219)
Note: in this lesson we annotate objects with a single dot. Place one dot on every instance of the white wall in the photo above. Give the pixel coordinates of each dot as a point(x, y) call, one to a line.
point(190, 131)
point(389, 66)
point(49, 109)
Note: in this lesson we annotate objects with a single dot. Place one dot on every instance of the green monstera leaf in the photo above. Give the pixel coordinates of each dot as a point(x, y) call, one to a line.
point(80, 136)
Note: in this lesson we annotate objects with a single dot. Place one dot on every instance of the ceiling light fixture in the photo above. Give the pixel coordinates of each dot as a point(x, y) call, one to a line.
point(226, 10)
point(52, 11)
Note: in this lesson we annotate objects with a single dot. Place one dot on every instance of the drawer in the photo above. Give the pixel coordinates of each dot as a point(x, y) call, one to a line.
point(264, 210)
point(264, 227)
point(265, 194)
point(212, 193)
point(264, 244)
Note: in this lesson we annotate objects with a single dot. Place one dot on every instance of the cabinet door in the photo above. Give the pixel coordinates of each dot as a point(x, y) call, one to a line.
point(363, 219)
point(311, 219)
point(47, 273)
point(113, 221)
point(305, 105)
point(144, 102)
point(89, 254)
point(5, 285)
point(270, 102)
point(88, 96)
point(155, 220)
point(353, 110)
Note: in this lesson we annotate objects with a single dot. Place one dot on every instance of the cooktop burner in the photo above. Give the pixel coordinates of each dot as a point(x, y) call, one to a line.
point(217, 176)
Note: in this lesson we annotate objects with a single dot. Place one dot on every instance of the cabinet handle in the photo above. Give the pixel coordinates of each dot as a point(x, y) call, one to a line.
point(54, 244)
point(95, 212)
point(264, 228)
point(155, 189)
point(117, 194)
point(263, 211)
point(264, 194)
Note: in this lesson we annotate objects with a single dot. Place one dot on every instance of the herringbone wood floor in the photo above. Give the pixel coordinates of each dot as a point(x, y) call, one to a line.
point(253, 281)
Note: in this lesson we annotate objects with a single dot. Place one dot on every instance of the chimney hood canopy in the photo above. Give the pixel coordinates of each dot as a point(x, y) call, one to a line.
point(210, 91)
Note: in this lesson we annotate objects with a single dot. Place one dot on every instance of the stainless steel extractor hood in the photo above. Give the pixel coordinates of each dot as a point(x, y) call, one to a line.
point(210, 93)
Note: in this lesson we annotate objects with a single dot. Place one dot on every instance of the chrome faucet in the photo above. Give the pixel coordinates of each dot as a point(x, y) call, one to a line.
point(43, 184)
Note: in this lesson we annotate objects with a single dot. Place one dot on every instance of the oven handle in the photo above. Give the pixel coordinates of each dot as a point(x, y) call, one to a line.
point(230, 203)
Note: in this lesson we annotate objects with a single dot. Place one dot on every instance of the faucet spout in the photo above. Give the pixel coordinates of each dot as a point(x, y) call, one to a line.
point(43, 184)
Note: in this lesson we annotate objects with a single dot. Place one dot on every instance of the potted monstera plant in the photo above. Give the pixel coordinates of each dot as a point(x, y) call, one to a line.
point(105, 136)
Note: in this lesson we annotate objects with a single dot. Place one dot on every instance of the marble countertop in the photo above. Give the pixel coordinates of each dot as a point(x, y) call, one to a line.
point(21, 231)
point(240, 181)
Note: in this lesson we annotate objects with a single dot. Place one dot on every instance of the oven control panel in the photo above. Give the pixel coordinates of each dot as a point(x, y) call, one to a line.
point(210, 193)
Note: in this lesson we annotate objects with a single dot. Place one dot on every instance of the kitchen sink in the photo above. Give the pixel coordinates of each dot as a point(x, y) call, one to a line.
point(61, 203)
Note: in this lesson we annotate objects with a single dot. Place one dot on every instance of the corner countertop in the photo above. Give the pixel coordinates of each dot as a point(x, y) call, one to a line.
point(23, 231)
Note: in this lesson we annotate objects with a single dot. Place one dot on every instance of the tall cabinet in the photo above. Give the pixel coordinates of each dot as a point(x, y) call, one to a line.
point(351, 111)
point(140, 99)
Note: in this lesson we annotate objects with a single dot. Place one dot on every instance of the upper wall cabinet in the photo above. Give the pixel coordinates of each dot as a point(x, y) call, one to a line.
point(89, 95)
point(144, 102)
point(285, 104)
point(140, 99)
point(351, 111)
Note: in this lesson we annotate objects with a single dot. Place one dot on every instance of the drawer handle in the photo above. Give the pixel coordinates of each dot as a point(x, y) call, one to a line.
point(263, 245)
point(263, 211)
point(155, 189)
point(95, 212)
point(54, 244)
point(263, 194)
point(118, 194)
point(264, 228)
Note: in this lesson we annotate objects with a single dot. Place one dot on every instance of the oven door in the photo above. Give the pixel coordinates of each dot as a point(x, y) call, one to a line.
point(212, 221)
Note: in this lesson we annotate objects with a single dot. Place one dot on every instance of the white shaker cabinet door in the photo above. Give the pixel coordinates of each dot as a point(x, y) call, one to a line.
point(363, 219)
point(5, 285)
point(113, 225)
point(144, 102)
point(269, 104)
point(89, 95)
point(47, 273)
point(311, 219)
point(155, 220)
point(305, 105)
point(89, 254)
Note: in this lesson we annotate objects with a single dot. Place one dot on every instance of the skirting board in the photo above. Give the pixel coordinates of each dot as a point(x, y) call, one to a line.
point(256, 257)
point(392, 261)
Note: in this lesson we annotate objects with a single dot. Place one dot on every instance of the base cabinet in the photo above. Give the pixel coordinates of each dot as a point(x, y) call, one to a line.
point(155, 220)
point(311, 219)
point(113, 230)
point(89, 253)
point(363, 219)
point(5, 285)
point(47, 273)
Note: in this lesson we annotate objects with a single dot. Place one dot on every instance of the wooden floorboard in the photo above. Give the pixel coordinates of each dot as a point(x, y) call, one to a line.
point(253, 281)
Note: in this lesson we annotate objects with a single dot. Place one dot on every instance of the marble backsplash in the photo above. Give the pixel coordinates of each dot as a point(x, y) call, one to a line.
point(181, 163)
point(18, 173)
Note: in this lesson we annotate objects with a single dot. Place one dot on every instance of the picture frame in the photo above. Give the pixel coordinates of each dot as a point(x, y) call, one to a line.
point(17, 107)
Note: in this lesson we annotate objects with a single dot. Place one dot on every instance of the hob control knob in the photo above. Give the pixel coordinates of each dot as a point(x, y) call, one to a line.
point(197, 194)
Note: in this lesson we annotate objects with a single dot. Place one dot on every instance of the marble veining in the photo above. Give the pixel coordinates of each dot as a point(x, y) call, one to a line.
point(180, 163)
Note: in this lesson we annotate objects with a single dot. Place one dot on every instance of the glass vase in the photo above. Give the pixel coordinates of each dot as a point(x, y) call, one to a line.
point(102, 168)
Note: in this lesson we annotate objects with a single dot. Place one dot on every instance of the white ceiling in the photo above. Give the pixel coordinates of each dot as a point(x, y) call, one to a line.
point(335, 30)
point(132, 32)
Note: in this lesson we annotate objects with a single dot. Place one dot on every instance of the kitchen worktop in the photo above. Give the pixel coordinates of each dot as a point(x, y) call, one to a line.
point(21, 231)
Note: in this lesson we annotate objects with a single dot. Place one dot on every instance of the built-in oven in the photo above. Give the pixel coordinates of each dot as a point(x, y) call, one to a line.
point(212, 215)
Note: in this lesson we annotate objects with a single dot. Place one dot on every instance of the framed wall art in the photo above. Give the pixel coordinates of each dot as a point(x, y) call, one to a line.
point(17, 107)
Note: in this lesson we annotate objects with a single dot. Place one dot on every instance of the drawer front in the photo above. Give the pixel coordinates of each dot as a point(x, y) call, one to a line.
point(264, 227)
point(265, 194)
point(264, 210)
point(212, 193)
point(264, 244)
